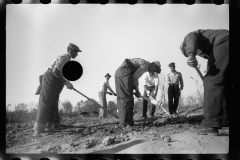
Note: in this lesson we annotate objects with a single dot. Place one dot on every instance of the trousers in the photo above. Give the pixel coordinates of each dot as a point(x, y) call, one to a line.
point(173, 98)
point(103, 103)
point(145, 104)
point(48, 101)
point(124, 89)
point(217, 86)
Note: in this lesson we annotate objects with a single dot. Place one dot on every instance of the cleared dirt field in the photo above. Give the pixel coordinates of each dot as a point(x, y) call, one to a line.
point(91, 135)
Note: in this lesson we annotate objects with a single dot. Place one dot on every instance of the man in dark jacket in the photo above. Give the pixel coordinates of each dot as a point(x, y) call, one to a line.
point(51, 86)
point(214, 46)
point(126, 80)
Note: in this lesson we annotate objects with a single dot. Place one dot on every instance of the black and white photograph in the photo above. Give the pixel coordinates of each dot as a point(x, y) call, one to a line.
point(117, 79)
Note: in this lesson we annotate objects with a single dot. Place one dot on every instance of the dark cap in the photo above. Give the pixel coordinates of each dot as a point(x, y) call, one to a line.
point(157, 63)
point(171, 64)
point(74, 47)
point(107, 75)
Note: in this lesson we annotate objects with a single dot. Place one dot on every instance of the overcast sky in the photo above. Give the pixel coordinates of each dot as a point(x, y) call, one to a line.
point(106, 34)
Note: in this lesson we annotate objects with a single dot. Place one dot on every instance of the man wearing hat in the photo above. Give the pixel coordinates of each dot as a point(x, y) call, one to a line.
point(126, 80)
point(51, 86)
point(214, 46)
point(173, 80)
point(102, 95)
point(151, 82)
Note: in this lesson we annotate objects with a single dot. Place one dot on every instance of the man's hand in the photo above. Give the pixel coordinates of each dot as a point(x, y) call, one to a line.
point(192, 61)
point(68, 85)
point(148, 93)
point(181, 87)
point(137, 94)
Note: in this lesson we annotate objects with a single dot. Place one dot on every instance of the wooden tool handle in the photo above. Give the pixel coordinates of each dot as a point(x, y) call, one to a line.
point(199, 72)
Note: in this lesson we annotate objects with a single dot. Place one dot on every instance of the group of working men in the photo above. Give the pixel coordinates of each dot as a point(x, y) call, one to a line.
point(209, 44)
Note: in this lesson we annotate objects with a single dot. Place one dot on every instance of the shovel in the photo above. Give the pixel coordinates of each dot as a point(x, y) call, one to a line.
point(96, 103)
point(199, 72)
point(155, 102)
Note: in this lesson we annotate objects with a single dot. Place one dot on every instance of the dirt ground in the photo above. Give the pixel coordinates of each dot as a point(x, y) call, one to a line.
point(91, 135)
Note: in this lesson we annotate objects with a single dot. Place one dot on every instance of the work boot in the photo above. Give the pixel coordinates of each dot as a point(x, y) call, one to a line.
point(37, 134)
point(128, 128)
point(143, 117)
point(208, 131)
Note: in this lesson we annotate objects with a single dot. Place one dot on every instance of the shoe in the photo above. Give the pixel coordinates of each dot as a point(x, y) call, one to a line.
point(143, 117)
point(152, 117)
point(37, 134)
point(128, 128)
point(173, 116)
point(208, 131)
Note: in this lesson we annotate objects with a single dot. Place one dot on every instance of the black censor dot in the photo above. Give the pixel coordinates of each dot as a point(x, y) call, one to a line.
point(72, 70)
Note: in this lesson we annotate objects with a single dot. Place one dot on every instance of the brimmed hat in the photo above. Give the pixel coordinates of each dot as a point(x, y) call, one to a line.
point(74, 47)
point(157, 63)
point(107, 75)
point(171, 64)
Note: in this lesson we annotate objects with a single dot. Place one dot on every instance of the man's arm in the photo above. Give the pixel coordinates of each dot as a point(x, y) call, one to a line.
point(168, 80)
point(181, 81)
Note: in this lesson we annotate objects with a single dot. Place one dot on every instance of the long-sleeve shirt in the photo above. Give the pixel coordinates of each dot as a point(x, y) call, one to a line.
point(142, 66)
point(60, 62)
point(201, 42)
point(175, 77)
point(151, 80)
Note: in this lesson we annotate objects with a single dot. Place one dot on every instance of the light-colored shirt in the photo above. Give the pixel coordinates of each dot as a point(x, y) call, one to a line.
point(175, 77)
point(60, 62)
point(151, 80)
point(105, 86)
point(142, 66)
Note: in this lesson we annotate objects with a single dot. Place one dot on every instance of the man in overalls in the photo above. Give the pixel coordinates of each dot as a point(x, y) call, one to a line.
point(126, 80)
point(51, 86)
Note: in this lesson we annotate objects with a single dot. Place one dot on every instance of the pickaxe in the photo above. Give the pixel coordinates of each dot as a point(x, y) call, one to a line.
point(96, 103)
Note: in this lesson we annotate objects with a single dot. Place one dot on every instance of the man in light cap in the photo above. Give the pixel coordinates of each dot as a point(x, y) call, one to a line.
point(102, 95)
point(214, 46)
point(51, 87)
point(126, 80)
point(173, 80)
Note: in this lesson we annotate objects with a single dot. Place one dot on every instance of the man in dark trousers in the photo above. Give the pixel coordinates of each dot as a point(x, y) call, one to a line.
point(214, 46)
point(52, 84)
point(173, 80)
point(151, 82)
point(126, 80)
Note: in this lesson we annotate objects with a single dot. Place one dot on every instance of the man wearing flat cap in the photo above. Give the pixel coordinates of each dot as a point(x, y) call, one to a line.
point(51, 87)
point(173, 80)
point(102, 95)
point(211, 44)
point(126, 80)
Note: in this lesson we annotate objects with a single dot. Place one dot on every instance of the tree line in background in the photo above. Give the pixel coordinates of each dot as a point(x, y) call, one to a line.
point(27, 112)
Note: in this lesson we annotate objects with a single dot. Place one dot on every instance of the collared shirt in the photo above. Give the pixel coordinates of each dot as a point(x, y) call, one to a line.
point(202, 42)
point(151, 80)
point(175, 77)
point(142, 66)
point(60, 62)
